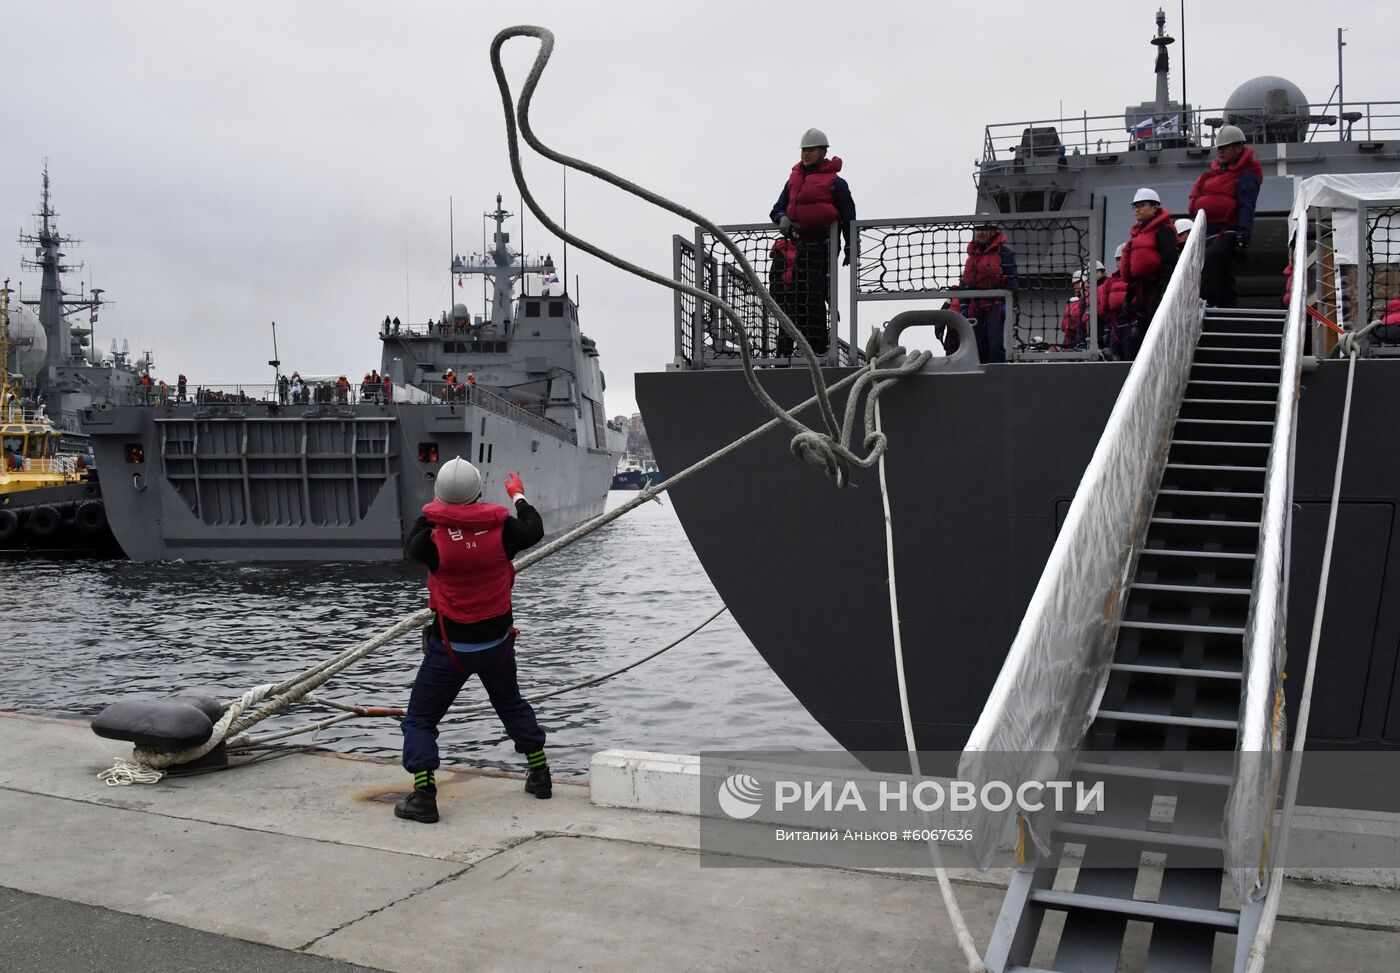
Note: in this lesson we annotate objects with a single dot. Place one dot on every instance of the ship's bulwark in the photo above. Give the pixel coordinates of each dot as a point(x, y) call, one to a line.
point(305, 483)
point(981, 471)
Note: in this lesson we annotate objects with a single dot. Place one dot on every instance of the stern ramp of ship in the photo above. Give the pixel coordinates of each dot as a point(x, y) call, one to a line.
point(1149, 660)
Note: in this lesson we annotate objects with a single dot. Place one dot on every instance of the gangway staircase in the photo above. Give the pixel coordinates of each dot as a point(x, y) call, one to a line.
point(1164, 736)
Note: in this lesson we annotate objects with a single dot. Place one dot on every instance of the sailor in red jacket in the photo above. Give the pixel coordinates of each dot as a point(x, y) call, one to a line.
point(467, 546)
point(1148, 261)
point(813, 198)
point(1074, 323)
point(782, 278)
point(1227, 192)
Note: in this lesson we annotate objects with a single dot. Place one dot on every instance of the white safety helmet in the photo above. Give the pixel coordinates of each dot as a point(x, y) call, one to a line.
point(1118, 254)
point(1145, 195)
point(1077, 277)
point(1184, 225)
point(457, 482)
point(1098, 265)
point(1229, 135)
point(814, 138)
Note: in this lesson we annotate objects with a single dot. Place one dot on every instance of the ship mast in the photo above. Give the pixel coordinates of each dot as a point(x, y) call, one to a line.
point(9, 394)
point(1163, 65)
point(64, 341)
point(501, 266)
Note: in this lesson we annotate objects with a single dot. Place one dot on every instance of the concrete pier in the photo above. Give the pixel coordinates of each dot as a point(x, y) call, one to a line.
point(298, 864)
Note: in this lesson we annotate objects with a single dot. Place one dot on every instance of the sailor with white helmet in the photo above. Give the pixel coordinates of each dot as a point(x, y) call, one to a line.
point(1183, 230)
point(1112, 295)
point(813, 198)
point(467, 545)
point(1148, 261)
point(1227, 193)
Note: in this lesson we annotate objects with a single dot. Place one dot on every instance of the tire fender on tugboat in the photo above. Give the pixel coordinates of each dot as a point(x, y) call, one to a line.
point(44, 520)
point(90, 516)
point(9, 524)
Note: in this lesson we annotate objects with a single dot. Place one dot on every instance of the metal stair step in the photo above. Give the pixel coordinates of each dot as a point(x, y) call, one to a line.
point(1214, 466)
point(1190, 522)
point(1174, 552)
point(1190, 588)
point(1096, 768)
point(1174, 492)
point(1208, 442)
point(1177, 671)
point(1247, 402)
point(1134, 909)
point(1164, 719)
point(1211, 381)
point(1182, 627)
point(1216, 364)
point(1227, 422)
point(1233, 348)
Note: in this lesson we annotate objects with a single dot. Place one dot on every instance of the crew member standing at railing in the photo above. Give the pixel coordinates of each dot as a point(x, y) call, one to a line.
point(813, 199)
point(1226, 193)
point(782, 284)
point(1074, 323)
point(1148, 261)
point(991, 265)
point(180, 387)
point(1113, 294)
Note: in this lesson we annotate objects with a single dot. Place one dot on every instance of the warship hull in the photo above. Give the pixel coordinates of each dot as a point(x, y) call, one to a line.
point(260, 481)
point(981, 470)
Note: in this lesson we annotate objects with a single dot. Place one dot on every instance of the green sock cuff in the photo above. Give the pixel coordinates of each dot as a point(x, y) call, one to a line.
point(535, 759)
point(423, 779)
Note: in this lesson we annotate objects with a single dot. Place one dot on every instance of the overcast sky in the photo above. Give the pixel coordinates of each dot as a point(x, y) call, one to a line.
point(229, 165)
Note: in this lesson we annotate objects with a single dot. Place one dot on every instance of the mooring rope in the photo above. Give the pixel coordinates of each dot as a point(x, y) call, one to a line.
point(945, 885)
point(831, 451)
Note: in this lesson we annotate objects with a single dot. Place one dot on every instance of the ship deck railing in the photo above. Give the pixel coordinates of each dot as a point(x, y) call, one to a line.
point(918, 261)
point(328, 394)
point(1043, 140)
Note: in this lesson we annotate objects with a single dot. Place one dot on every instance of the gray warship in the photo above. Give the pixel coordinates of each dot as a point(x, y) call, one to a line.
point(60, 372)
point(1084, 552)
point(320, 468)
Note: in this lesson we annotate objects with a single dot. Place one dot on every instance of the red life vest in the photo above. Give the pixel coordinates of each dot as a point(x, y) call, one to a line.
point(1113, 294)
point(810, 203)
point(983, 268)
point(474, 577)
point(1392, 312)
point(1142, 263)
point(1287, 285)
point(1074, 323)
point(786, 249)
point(1214, 190)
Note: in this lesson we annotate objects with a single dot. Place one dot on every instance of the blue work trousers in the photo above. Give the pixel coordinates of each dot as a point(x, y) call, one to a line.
point(437, 685)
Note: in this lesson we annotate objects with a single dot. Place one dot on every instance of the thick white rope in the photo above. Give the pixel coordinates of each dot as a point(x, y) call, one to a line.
point(1262, 939)
point(945, 886)
point(124, 772)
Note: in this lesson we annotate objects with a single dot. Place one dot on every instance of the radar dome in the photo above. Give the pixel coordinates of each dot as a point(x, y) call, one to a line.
point(1269, 109)
point(460, 313)
point(28, 342)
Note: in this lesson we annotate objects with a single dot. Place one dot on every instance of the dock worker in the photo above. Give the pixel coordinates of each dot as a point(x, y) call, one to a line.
point(1148, 261)
point(991, 265)
point(181, 385)
point(145, 388)
point(1227, 193)
point(814, 197)
point(467, 546)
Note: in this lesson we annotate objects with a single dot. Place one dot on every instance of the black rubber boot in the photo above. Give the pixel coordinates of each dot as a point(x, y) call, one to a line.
point(420, 806)
point(538, 782)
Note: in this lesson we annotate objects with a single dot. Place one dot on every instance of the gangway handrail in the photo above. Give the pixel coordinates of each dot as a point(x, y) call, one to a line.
point(1048, 690)
point(1249, 810)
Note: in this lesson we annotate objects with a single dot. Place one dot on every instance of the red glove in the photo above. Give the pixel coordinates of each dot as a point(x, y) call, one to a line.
point(514, 488)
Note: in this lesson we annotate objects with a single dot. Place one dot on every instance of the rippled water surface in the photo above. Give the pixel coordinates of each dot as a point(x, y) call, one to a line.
point(79, 636)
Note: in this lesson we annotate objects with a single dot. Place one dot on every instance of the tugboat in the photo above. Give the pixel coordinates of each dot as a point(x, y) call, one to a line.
point(49, 500)
point(326, 468)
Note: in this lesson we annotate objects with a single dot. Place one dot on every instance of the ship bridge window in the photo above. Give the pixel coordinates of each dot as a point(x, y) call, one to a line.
point(454, 347)
point(532, 309)
point(556, 309)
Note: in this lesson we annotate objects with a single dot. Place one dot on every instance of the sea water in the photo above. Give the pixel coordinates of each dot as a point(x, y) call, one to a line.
point(78, 636)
